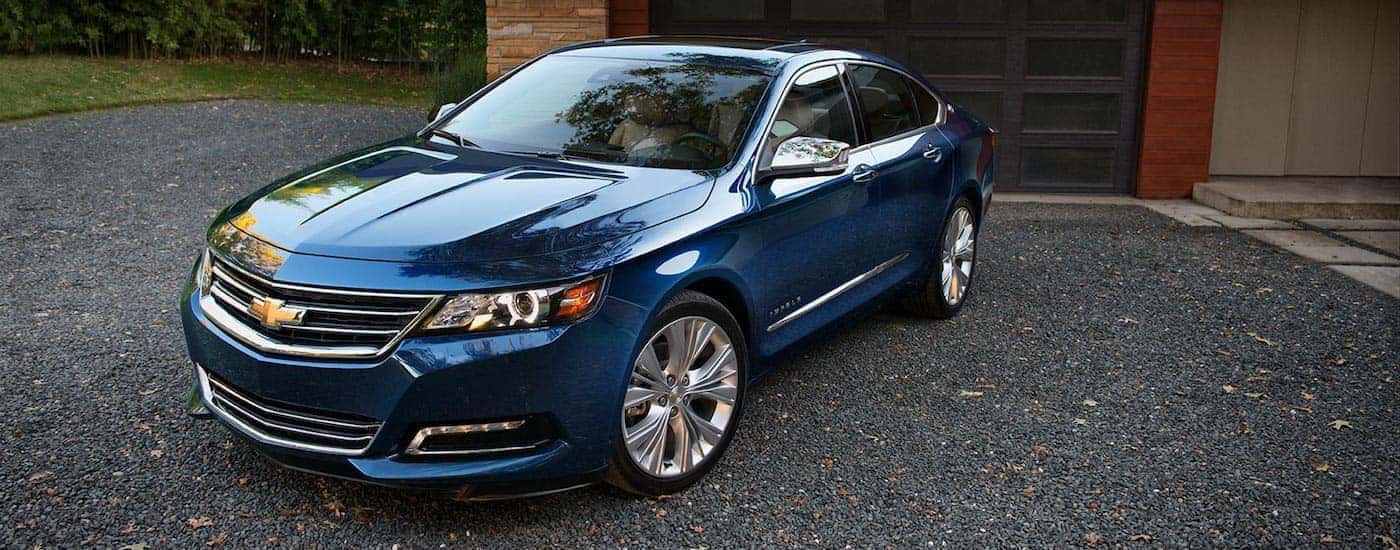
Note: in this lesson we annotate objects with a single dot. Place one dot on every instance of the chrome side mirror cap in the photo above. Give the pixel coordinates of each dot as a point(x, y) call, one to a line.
point(443, 110)
point(808, 156)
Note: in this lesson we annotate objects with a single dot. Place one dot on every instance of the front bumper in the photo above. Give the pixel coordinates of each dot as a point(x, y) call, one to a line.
point(571, 376)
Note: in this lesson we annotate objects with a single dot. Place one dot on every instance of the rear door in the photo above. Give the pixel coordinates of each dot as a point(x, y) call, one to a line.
point(911, 159)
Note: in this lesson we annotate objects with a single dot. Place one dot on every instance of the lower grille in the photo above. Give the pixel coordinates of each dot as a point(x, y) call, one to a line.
point(288, 425)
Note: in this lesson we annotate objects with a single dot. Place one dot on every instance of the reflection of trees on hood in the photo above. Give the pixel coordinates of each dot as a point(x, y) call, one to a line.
point(662, 94)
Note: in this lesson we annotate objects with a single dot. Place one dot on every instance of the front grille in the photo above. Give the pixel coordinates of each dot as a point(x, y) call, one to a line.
point(331, 323)
point(289, 425)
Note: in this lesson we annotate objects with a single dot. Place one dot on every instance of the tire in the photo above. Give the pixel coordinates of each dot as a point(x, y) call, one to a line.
point(932, 299)
point(675, 408)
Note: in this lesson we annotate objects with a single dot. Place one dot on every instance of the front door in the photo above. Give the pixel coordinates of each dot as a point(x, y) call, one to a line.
point(816, 230)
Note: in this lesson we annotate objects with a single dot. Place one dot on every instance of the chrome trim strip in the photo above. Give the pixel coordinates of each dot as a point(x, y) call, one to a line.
point(221, 401)
point(226, 322)
point(833, 293)
point(343, 311)
point(221, 318)
point(335, 330)
point(415, 446)
point(259, 435)
point(289, 415)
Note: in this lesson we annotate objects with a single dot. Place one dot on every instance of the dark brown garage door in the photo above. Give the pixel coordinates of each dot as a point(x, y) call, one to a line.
point(1059, 78)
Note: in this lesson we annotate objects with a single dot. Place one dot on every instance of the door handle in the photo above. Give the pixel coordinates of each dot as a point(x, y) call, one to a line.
point(863, 173)
point(934, 153)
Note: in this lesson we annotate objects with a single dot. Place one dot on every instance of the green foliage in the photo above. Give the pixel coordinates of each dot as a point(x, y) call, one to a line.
point(402, 31)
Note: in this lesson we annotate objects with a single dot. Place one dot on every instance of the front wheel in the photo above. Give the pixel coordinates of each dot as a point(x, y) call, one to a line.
point(683, 399)
point(943, 295)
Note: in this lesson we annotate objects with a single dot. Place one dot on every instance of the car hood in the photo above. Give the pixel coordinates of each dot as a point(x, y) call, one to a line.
point(415, 201)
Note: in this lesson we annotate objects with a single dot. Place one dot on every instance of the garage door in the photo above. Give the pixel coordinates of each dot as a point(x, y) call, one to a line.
point(1059, 78)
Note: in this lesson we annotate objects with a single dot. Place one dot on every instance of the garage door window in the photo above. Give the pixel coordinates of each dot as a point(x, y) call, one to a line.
point(887, 104)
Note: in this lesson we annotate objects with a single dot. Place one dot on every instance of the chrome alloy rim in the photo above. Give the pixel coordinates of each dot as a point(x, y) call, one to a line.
point(681, 397)
point(957, 255)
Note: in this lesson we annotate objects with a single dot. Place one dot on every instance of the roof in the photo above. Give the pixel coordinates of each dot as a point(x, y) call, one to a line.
point(761, 54)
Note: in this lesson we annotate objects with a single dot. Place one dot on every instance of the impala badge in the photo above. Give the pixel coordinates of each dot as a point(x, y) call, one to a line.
point(275, 313)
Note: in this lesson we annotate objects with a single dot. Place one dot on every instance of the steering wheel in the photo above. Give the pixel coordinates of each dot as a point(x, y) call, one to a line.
point(707, 143)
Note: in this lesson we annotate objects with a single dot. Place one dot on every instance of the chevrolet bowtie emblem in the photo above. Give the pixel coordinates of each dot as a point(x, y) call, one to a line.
point(275, 313)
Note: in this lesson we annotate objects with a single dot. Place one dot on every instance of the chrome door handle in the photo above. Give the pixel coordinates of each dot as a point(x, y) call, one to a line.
point(934, 153)
point(863, 174)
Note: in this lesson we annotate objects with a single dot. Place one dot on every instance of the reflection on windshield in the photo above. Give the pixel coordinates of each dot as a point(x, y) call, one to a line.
point(643, 113)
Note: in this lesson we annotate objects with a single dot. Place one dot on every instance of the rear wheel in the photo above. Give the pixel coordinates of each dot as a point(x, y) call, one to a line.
point(684, 397)
point(943, 294)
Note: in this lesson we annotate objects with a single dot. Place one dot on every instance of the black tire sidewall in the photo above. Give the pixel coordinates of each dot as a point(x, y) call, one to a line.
point(623, 472)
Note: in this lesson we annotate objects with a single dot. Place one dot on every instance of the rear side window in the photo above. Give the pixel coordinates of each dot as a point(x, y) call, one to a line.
point(887, 102)
point(928, 105)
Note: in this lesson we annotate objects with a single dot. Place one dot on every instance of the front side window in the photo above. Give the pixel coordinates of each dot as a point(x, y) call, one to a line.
point(815, 106)
point(887, 103)
point(642, 113)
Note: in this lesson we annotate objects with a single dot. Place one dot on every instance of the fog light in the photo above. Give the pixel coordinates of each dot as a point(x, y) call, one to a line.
point(467, 439)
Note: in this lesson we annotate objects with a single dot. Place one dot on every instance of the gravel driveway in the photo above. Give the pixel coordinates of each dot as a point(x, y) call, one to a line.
point(1117, 379)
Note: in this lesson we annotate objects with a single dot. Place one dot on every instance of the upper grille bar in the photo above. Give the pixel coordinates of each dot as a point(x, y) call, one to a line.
point(309, 321)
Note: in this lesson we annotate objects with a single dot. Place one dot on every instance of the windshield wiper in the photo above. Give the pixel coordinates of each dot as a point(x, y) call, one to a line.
point(456, 138)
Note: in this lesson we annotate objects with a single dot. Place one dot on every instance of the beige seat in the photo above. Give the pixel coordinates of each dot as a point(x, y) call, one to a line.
point(648, 124)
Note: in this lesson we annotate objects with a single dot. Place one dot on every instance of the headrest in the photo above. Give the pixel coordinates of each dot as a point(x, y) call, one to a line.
point(874, 99)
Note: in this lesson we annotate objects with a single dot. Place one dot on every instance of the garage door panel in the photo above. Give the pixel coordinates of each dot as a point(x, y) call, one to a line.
point(959, 56)
point(1061, 79)
point(719, 10)
point(958, 11)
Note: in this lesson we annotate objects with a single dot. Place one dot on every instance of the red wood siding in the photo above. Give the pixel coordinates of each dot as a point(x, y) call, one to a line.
point(629, 17)
point(1179, 104)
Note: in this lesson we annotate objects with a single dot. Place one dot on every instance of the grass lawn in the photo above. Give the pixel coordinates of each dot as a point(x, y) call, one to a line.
point(33, 86)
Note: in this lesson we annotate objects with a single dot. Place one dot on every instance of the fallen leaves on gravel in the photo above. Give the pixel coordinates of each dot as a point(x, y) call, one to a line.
point(1090, 403)
point(1140, 537)
point(1387, 542)
point(199, 522)
point(969, 393)
point(1261, 339)
point(218, 540)
point(40, 476)
point(1319, 465)
point(1228, 389)
point(336, 507)
point(1339, 424)
point(1092, 539)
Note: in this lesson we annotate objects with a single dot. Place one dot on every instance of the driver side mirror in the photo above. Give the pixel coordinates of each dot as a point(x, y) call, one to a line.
point(443, 110)
point(807, 156)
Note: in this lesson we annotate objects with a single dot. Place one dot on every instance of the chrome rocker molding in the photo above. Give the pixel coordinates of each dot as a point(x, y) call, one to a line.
point(831, 295)
point(207, 395)
point(215, 312)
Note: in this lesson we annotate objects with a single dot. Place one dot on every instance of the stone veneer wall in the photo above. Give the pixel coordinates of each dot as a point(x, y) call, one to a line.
point(518, 30)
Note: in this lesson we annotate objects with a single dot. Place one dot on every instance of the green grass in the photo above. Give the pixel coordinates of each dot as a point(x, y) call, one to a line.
point(34, 86)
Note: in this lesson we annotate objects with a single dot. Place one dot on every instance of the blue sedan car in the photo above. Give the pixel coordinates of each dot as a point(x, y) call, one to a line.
point(576, 274)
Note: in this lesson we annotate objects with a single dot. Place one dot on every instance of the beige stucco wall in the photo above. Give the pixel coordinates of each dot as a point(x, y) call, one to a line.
point(1308, 87)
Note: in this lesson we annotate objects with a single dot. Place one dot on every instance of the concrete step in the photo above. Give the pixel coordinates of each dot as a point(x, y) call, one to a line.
point(1291, 199)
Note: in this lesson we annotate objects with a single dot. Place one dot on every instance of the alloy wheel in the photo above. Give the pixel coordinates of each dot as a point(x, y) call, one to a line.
point(681, 397)
point(957, 255)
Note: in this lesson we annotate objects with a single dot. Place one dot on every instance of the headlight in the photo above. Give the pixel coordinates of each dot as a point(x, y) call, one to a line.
point(518, 308)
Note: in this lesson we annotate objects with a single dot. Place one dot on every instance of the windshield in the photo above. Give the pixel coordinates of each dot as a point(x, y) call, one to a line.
point(642, 113)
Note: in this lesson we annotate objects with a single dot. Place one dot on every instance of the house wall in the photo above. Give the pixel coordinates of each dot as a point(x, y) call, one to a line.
point(1308, 88)
point(518, 30)
point(1183, 55)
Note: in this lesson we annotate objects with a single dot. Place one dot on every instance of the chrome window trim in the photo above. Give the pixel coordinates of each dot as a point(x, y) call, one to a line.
point(217, 315)
point(838, 291)
point(787, 87)
point(207, 397)
point(851, 104)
